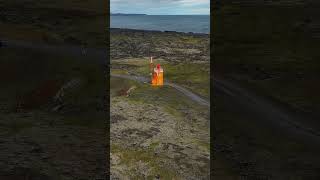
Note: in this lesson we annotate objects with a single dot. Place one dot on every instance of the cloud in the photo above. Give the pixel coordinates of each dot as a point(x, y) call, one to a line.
point(161, 6)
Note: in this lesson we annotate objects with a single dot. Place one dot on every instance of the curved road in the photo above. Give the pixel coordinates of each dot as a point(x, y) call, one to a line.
point(181, 89)
point(267, 111)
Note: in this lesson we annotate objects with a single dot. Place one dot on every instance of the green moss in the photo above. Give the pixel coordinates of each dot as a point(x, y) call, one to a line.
point(203, 144)
point(118, 71)
point(153, 145)
point(130, 157)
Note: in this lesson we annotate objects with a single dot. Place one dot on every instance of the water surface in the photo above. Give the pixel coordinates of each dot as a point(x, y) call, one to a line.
point(179, 23)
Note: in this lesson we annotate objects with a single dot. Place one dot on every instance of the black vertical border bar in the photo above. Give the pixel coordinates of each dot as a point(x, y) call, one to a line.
point(212, 2)
point(107, 76)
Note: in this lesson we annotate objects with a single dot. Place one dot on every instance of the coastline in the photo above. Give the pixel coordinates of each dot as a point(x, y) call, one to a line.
point(157, 31)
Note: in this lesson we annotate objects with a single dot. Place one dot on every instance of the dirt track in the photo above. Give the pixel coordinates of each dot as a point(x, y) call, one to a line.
point(268, 111)
point(181, 89)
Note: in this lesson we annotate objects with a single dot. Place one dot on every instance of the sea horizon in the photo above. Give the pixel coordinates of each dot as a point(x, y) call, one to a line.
point(178, 23)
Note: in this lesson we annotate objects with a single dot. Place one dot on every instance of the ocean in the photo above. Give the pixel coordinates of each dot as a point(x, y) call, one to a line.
point(179, 23)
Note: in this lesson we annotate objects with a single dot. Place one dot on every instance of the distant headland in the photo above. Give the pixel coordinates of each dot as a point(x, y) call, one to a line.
point(125, 14)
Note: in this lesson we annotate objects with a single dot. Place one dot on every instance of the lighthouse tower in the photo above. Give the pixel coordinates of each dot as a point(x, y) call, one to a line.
point(157, 76)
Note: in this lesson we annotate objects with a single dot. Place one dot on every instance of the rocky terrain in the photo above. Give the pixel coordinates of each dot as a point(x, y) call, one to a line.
point(185, 56)
point(149, 142)
point(159, 133)
point(52, 117)
point(171, 46)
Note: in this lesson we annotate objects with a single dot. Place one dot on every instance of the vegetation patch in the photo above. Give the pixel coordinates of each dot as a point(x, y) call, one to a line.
point(131, 157)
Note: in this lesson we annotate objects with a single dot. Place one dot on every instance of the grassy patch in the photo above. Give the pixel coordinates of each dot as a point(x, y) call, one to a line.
point(118, 84)
point(118, 71)
point(204, 144)
point(194, 76)
point(165, 97)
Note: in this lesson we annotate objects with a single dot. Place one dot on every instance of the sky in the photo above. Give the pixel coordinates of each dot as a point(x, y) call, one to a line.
point(160, 7)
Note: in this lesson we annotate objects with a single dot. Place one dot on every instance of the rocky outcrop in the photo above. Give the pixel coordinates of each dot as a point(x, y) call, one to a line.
point(149, 142)
point(171, 46)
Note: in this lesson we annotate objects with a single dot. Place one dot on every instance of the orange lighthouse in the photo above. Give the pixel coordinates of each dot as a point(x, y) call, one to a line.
point(157, 74)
